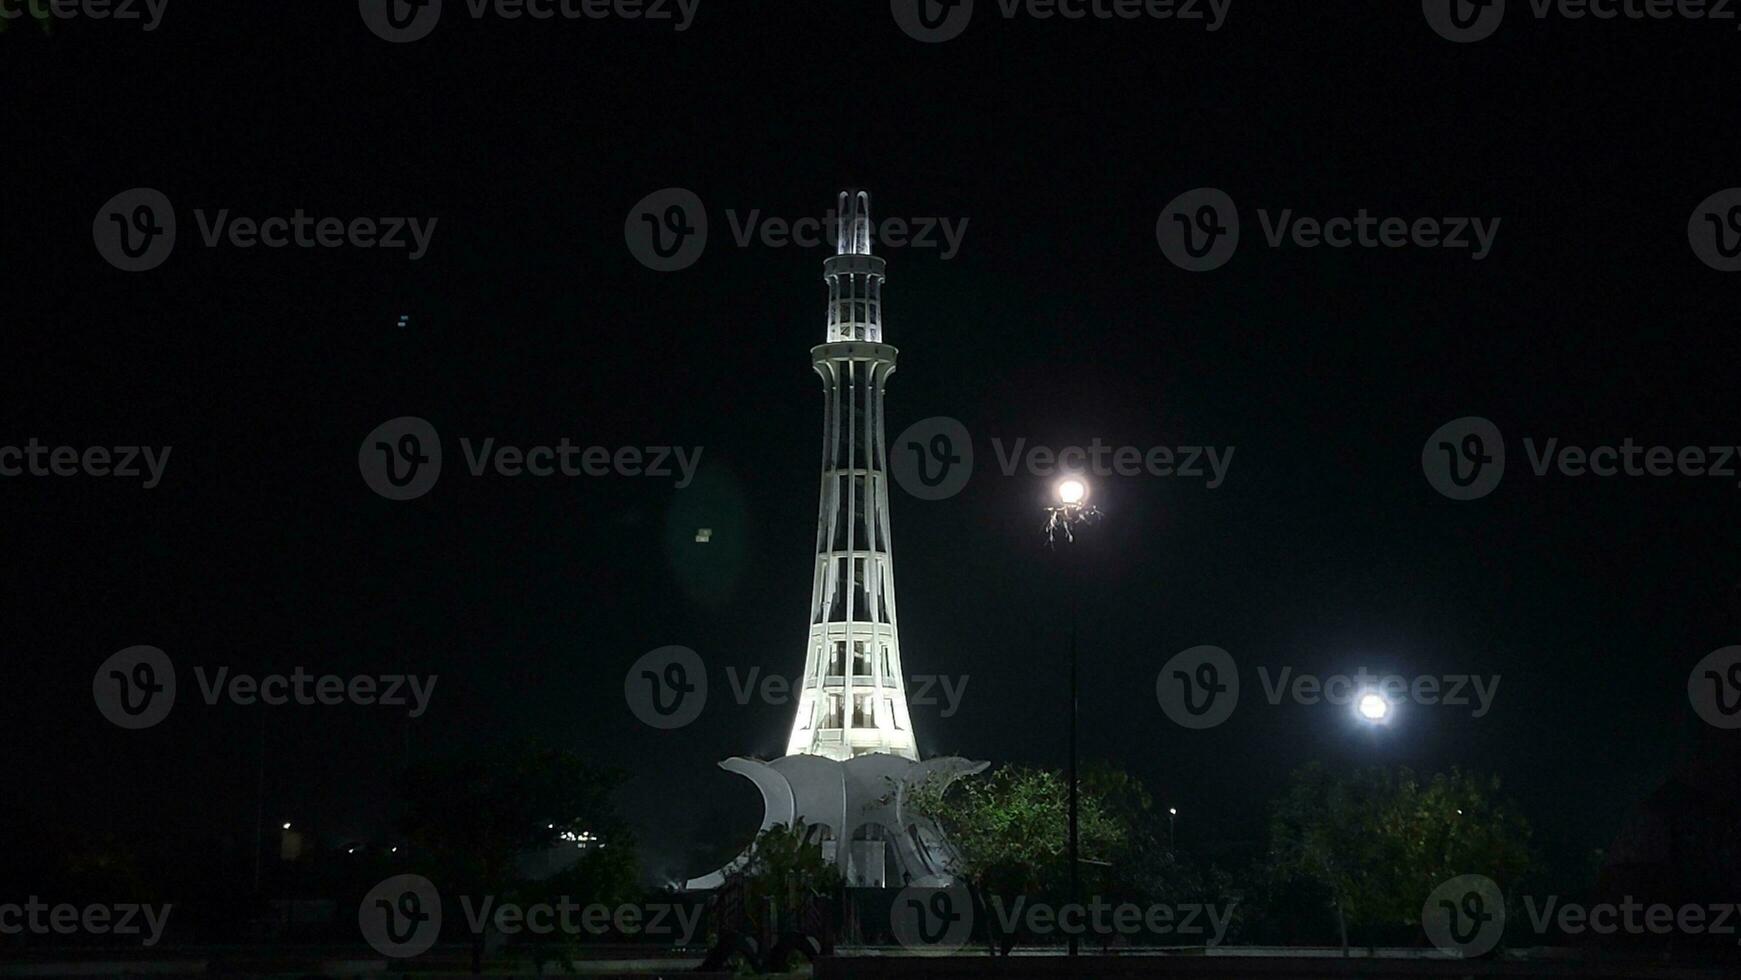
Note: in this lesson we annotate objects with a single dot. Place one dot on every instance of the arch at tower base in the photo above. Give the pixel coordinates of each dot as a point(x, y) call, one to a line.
point(860, 806)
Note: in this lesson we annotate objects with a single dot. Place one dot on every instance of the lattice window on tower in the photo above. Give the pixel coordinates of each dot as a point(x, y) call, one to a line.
point(879, 451)
point(863, 711)
point(894, 719)
point(888, 671)
point(832, 718)
point(837, 613)
point(854, 486)
point(861, 437)
point(861, 662)
point(861, 606)
point(842, 520)
point(836, 657)
point(836, 453)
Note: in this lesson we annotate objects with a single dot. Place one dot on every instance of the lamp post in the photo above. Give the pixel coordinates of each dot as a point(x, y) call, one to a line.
point(1062, 520)
point(1172, 840)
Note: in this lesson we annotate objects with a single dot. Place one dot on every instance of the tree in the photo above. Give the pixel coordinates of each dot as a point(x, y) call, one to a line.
point(784, 873)
point(477, 820)
point(1009, 830)
point(1379, 840)
point(1144, 867)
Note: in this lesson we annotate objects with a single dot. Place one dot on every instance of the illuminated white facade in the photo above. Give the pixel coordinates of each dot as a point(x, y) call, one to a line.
point(853, 699)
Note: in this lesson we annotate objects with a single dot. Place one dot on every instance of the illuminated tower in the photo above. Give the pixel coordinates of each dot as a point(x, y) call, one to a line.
point(853, 699)
point(852, 765)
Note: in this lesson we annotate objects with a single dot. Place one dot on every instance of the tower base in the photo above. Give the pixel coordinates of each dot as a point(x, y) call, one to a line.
point(859, 804)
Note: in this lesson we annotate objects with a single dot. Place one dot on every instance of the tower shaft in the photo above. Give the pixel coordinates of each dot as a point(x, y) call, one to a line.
point(852, 700)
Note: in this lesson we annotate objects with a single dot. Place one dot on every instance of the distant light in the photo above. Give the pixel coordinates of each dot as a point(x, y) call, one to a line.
point(1072, 491)
point(703, 535)
point(1374, 706)
point(1173, 810)
point(350, 850)
point(393, 850)
point(286, 825)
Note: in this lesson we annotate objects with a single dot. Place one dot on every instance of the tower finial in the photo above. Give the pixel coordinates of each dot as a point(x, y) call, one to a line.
point(854, 275)
point(853, 213)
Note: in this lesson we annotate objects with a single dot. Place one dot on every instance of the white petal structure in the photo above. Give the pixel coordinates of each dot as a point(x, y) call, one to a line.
point(863, 802)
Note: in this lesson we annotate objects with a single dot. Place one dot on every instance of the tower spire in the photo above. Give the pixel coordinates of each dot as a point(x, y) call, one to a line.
point(852, 215)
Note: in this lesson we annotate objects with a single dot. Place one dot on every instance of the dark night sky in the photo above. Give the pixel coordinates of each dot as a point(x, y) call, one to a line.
point(1059, 321)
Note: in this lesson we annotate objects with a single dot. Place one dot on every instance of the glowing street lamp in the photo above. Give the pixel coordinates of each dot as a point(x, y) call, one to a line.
point(1071, 511)
point(1373, 708)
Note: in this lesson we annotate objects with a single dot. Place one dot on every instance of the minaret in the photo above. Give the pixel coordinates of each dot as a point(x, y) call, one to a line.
point(853, 699)
point(852, 742)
